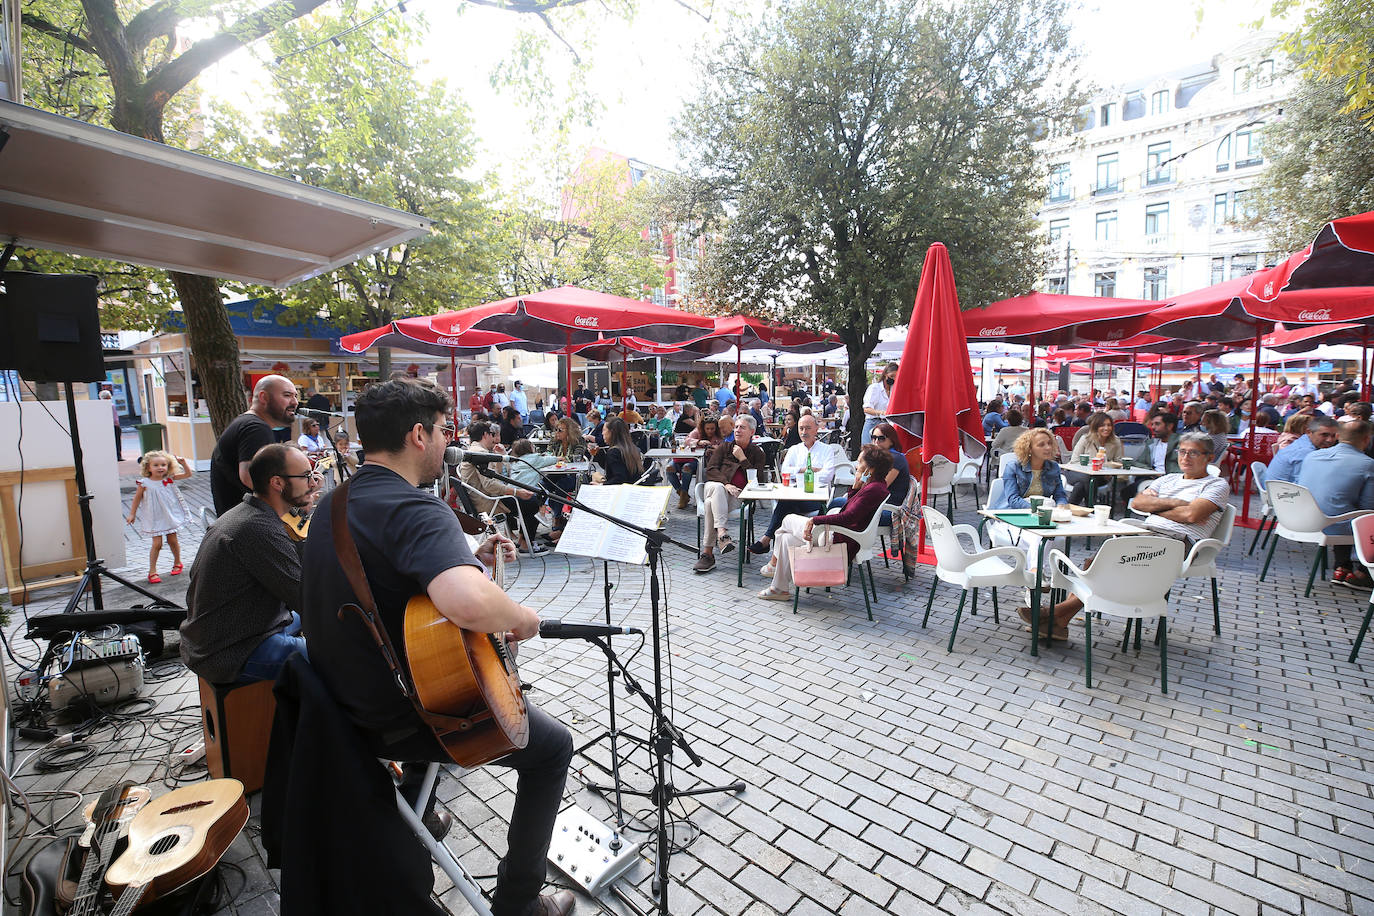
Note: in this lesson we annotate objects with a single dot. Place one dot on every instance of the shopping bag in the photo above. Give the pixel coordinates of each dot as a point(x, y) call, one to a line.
point(819, 563)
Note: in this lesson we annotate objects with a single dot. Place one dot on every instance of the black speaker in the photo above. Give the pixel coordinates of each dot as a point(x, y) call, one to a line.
point(50, 327)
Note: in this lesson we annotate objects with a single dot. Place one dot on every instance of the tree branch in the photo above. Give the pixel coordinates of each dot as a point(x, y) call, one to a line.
point(164, 82)
point(159, 19)
point(38, 24)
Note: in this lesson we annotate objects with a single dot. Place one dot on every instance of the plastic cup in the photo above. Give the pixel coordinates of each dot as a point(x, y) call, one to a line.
point(752, 475)
point(1097, 464)
point(786, 479)
point(1102, 513)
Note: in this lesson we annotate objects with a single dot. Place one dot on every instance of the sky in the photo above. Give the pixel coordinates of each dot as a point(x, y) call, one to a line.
point(643, 70)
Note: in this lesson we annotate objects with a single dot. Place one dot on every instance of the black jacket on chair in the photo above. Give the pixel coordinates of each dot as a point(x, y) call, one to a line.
point(329, 815)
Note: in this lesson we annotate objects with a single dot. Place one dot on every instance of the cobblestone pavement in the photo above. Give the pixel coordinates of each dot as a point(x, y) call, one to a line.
point(886, 775)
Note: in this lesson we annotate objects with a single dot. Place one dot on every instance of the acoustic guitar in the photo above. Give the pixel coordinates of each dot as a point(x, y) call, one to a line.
point(469, 676)
point(176, 839)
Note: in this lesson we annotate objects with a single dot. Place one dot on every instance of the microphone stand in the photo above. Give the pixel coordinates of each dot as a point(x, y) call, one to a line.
point(664, 733)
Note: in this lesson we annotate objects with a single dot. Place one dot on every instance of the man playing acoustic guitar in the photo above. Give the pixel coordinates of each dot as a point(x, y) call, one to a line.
point(410, 543)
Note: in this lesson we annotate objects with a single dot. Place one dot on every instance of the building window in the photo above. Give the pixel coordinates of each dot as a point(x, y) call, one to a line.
point(1108, 114)
point(1221, 213)
point(1224, 153)
point(1106, 226)
point(1218, 270)
point(1108, 173)
point(1264, 73)
point(1157, 219)
point(1240, 80)
point(1248, 148)
point(1056, 285)
point(1059, 181)
point(1058, 229)
point(1158, 168)
point(660, 298)
point(1156, 282)
point(1159, 102)
point(1242, 265)
point(1104, 284)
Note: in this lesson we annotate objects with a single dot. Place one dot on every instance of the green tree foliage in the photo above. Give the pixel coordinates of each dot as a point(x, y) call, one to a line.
point(1321, 166)
point(1334, 43)
point(587, 229)
point(354, 119)
point(832, 143)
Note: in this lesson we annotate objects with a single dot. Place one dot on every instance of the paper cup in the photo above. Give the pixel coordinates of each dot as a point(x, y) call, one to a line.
point(1084, 459)
point(1102, 513)
point(1045, 514)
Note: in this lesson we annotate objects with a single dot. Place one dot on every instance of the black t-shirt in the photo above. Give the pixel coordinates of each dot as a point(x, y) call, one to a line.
point(240, 441)
point(406, 537)
point(318, 402)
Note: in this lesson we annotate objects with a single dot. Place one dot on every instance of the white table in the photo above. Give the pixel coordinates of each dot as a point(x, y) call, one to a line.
point(1078, 527)
point(1112, 474)
point(754, 493)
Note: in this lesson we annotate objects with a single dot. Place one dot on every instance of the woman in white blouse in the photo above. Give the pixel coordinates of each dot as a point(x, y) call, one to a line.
point(876, 398)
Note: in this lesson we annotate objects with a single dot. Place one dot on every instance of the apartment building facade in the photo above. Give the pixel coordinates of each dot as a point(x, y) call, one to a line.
point(1147, 197)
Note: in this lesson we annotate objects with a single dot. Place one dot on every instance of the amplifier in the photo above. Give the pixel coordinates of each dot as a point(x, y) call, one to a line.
point(87, 649)
point(107, 682)
point(588, 852)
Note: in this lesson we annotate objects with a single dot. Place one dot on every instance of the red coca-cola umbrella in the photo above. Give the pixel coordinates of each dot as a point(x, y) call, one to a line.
point(1049, 319)
point(933, 400)
point(1340, 257)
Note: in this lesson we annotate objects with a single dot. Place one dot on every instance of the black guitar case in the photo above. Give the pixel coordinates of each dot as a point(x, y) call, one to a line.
point(60, 862)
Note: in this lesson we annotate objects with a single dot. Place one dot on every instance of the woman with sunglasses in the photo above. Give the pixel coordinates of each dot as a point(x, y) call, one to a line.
point(898, 479)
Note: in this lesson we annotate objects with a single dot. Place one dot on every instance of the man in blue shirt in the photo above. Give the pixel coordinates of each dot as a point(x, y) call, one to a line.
point(1288, 461)
point(1341, 479)
point(724, 396)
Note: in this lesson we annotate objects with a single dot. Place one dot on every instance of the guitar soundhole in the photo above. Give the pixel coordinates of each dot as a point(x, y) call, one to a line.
point(165, 844)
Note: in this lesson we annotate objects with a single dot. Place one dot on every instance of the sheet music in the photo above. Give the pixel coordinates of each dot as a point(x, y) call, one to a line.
point(589, 536)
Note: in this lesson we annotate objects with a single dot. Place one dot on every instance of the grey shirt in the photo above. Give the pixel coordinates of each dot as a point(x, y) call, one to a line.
point(244, 584)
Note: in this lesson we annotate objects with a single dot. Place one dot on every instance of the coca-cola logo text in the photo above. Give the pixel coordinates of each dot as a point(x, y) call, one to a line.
point(586, 321)
point(998, 331)
point(1315, 315)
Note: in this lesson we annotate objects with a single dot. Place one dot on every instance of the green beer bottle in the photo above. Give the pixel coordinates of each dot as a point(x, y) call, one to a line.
point(809, 476)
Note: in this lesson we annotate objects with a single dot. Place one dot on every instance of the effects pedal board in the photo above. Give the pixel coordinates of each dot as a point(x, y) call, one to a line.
point(588, 852)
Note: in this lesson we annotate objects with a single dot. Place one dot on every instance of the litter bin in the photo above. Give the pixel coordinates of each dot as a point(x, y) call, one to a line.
point(150, 436)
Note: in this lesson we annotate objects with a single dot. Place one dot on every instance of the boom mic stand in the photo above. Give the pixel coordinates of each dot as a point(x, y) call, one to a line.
point(664, 734)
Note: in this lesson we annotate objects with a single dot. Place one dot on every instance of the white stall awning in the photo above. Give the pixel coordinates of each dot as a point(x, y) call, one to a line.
point(70, 186)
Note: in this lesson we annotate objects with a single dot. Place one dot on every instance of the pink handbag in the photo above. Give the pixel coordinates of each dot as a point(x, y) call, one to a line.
point(820, 563)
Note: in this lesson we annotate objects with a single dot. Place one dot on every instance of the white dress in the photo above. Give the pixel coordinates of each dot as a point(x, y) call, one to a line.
point(161, 510)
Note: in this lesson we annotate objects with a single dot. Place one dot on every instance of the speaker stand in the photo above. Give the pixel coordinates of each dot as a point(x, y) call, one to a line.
point(95, 567)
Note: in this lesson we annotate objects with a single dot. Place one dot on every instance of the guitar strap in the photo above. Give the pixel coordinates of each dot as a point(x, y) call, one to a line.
point(366, 610)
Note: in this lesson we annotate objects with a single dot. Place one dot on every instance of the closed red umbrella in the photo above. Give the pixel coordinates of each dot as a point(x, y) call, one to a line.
point(934, 400)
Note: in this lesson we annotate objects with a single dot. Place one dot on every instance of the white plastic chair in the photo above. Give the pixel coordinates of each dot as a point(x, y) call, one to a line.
point(1259, 472)
point(1299, 519)
point(1129, 579)
point(940, 482)
point(863, 558)
point(983, 568)
point(1363, 528)
point(1201, 561)
point(966, 474)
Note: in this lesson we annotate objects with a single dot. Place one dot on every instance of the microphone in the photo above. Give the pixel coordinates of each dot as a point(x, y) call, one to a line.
point(556, 629)
point(323, 416)
point(453, 455)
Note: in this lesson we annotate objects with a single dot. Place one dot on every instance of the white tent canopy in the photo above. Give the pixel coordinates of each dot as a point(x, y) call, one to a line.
point(70, 186)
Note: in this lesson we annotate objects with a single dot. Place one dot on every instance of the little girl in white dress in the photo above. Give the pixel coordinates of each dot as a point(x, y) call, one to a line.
point(158, 506)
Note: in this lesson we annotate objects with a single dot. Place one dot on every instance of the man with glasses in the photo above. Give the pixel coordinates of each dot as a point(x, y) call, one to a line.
point(823, 457)
point(410, 543)
point(1186, 506)
point(241, 620)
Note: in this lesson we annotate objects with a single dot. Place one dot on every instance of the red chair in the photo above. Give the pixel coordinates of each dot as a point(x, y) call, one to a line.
point(1066, 433)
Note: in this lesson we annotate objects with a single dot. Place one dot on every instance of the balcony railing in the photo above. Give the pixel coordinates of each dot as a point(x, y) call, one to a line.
point(1113, 188)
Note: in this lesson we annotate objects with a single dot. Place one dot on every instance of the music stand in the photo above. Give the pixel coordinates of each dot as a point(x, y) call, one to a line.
point(664, 733)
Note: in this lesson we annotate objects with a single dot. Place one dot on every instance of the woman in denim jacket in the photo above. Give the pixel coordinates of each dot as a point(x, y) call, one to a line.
point(1033, 473)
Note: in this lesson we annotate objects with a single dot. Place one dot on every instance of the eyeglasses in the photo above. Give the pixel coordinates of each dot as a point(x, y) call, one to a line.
point(306, 476)
point(877, 437)
point(1196, 453)
point(449, 430)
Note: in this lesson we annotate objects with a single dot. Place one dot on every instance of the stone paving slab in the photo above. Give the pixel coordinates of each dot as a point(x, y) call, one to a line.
point(886, 775)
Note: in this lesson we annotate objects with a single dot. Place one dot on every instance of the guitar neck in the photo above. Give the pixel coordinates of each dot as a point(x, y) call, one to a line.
point(128, 900)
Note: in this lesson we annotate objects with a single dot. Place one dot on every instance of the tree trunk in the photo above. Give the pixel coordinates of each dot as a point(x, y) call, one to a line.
point(213, 346)
point(857, 386)
point(383, 363)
